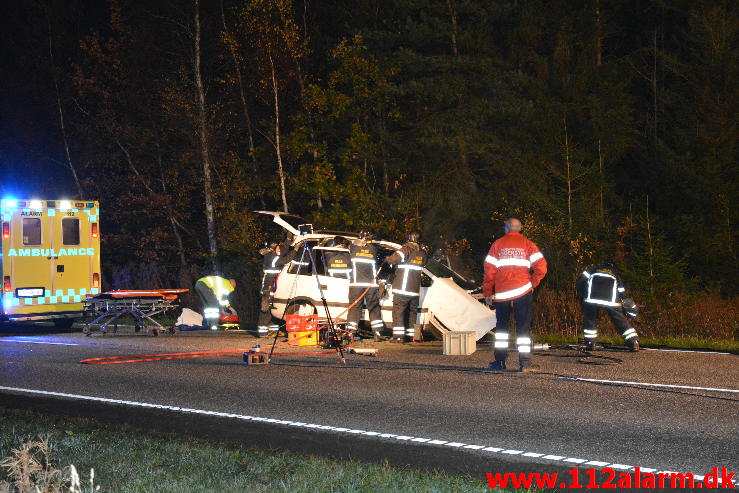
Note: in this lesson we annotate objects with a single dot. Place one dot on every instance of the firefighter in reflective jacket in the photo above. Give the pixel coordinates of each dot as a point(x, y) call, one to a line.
point(513, 268)
point(271, 267)
point(214, 292)
point(410, 260)
point(601, 287)
point(363, 257)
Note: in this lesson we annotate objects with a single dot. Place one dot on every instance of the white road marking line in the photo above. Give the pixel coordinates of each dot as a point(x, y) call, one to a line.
point(23, 341)
point(648, 384)
point(684, 351)
point(426, 441)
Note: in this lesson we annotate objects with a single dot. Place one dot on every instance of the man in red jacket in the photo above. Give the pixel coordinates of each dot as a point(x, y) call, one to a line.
point(513, 268)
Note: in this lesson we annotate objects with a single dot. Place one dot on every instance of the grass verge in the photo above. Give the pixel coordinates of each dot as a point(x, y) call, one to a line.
point(129, 460)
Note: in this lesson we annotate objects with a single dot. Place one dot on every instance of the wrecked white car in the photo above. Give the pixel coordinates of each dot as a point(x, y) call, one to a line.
point(443, 303)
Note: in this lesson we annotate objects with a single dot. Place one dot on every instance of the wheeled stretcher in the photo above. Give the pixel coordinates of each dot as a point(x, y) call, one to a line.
point(142, 305)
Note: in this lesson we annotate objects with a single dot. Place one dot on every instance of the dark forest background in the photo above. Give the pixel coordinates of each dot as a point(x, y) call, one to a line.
point(609, 127)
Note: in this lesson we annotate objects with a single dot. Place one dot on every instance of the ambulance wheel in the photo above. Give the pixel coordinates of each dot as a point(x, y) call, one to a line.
point(63, 323)
point(301, 308)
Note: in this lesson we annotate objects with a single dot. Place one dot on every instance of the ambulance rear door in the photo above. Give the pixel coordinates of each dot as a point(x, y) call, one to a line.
point(76, 259)
point(27, 272)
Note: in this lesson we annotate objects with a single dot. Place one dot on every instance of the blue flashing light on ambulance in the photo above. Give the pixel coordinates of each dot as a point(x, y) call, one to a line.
point(50, 254)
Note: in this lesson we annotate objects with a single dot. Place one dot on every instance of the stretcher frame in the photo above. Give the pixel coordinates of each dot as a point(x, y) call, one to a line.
point(141, 305)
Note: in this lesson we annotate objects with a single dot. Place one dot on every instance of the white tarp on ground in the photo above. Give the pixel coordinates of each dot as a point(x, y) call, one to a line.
point(189, 318)
point(457, 309)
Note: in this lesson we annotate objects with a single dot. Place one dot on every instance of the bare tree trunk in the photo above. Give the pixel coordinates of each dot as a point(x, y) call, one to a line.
point(203, 137)
point(62, 126)
point(242, 94)
point(278, 149)
point(453, 18)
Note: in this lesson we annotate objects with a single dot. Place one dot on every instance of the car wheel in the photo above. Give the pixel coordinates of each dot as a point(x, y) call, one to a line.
point(301, 308)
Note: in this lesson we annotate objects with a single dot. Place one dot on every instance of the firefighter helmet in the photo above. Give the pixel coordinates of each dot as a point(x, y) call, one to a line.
point(414, 236)
point(366, 234)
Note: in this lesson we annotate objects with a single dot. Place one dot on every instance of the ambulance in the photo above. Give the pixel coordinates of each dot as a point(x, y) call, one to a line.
point(50, 255)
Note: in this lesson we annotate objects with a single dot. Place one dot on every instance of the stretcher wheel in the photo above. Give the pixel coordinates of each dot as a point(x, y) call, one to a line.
point(86, 330)
point(154, 332)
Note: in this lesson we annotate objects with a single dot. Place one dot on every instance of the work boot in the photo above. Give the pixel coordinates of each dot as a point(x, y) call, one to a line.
point(497, 366)
point(633, 344)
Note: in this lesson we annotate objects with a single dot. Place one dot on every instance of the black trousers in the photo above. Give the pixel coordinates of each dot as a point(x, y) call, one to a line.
point(590, 319)
point(206, 295)
point(371, 300)
point(265, 315)
point(522, 310)
point(405, 310)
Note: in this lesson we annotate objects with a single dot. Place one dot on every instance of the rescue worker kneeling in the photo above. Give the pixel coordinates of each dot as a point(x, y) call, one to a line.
point(214, 292)
point(410, 259)
point(601, 287)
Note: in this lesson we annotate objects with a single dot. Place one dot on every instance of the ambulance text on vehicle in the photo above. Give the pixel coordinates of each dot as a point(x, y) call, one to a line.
point(50, 258)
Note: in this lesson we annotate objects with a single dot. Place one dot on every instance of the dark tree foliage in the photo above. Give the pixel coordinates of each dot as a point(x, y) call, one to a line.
point(609, 127)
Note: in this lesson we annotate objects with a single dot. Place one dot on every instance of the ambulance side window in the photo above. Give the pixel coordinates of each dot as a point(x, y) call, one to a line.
point(31, 231)
point(70, 231)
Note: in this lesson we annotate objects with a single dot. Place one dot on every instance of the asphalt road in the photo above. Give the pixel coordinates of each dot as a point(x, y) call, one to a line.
point(658, 410)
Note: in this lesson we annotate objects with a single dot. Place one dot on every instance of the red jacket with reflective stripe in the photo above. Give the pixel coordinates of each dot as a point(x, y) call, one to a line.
point(509, 266)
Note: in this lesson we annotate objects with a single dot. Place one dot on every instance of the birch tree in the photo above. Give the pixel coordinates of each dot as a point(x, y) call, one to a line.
point(275, 37)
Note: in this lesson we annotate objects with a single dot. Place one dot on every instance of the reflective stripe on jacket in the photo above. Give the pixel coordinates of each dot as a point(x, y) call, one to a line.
point(363, 257)
point(509, 266)
point(339, 264)
point(271, 263)
point(410, 260)
point(601, 286)
point(221, 287)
